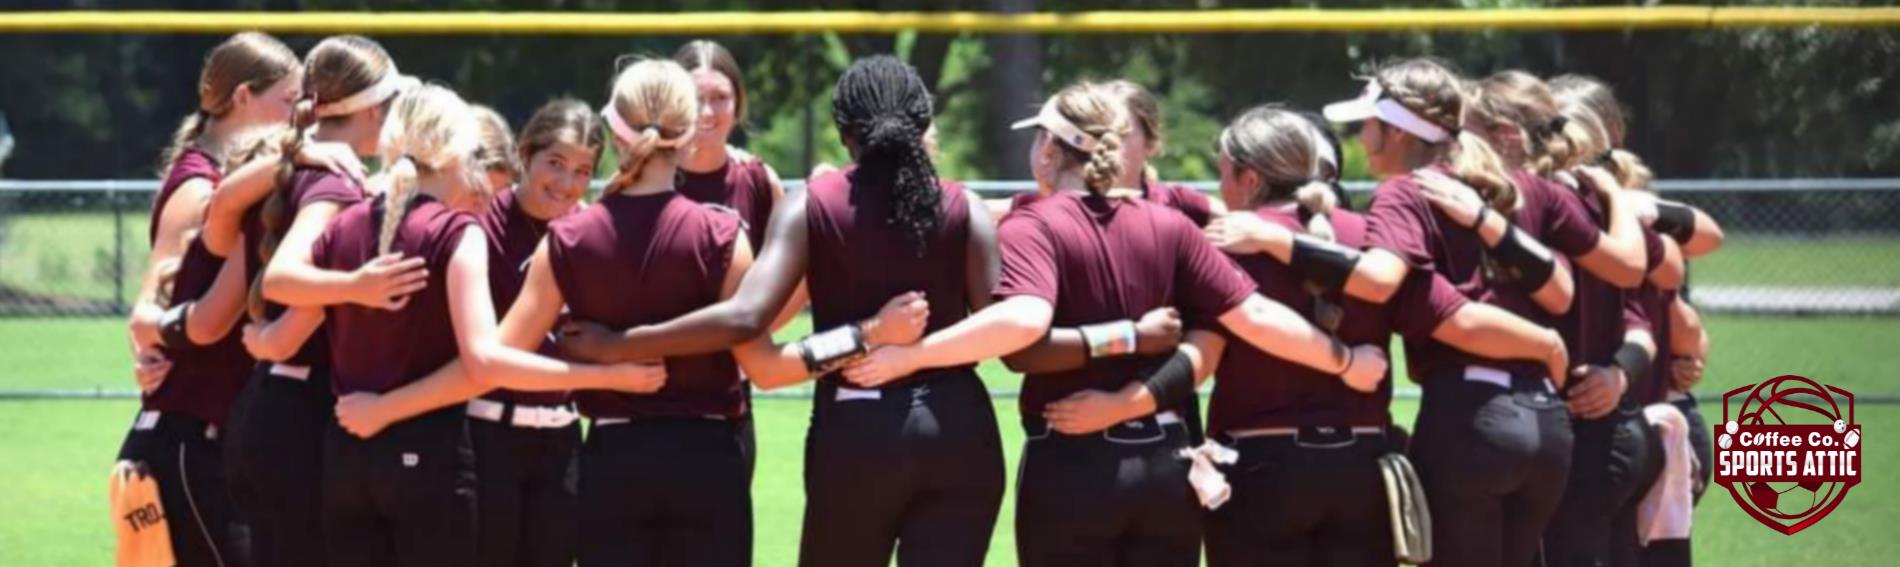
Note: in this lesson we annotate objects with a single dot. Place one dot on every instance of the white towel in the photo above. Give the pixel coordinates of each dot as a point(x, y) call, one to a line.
point(1669, 508)
point(1209, 484)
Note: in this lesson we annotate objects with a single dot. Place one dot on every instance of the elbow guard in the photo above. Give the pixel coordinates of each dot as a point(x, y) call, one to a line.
point(1635, 363)
point(1323, 262)
point(171, 326)
point(826, 350)
point(1172, 383)
point(1527, 259)
point(1675, 219)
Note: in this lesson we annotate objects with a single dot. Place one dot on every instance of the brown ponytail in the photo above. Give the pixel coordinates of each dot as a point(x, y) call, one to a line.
point(250, 59)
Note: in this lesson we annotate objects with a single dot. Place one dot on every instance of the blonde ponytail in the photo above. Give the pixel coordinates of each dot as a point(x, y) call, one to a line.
point(428, 129)
point(642, 148)
point(402, 189)
point(654, 110)
point(1476, 164)
point(1317, 199)
point(1630, 171)
point(249, 59)
point(1096, 110)
point(1105, 166)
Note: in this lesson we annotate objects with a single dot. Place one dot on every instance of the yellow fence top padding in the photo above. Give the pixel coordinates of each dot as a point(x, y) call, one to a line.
point(715, 23)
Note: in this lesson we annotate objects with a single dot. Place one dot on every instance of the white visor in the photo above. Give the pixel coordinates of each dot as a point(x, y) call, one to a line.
point(390, 85)
point(1373, 104)
point(1051, 120)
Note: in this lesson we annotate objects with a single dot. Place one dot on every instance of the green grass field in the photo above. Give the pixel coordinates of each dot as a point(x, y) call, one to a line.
point(54, 454)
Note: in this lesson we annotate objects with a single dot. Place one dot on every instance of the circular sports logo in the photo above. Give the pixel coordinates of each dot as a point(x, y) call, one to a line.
point(1788, 450)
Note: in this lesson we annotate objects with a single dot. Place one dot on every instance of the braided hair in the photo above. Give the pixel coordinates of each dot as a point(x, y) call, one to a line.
point(1434, 92)
point(882, 109)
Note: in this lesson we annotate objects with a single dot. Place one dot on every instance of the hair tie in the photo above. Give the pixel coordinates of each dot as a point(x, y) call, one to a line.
point(1557, 124)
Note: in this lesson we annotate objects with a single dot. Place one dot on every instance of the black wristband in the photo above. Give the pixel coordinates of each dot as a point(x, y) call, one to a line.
point(824, 350)
point(1527, 258)
point(1676, 220)
point(1345, 353)
point(171, 326)
point(1479, 223)
point(1635, 362)
point(1323, 262)
point(1171, 383)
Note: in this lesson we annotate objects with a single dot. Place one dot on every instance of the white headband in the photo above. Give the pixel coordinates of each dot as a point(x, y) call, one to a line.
point(626, 134)
point(1374, 104)
point(1050, 119)
point(390, 85)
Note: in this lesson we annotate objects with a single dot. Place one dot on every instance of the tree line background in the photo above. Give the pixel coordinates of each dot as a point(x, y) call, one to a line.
point(1819, 102)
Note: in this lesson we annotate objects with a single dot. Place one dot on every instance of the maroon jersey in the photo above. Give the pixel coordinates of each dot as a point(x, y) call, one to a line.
point(1255, 389)
point(192, 163)
point(513, 235)
point(204, 379)
point(859, 260)
point(1555, 215)
point(307, 187)
point(1098, 260)
point(638, 260)
point(1648, 308)
point(742, 184)
point(376, 350)
point(1593, 329)
point(1403, 222)
point(1194, 204)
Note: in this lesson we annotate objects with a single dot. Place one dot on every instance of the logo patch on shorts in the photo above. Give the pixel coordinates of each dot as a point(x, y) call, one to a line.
point(410, 460)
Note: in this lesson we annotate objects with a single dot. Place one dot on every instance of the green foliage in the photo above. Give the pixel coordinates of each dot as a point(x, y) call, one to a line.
point(1762, 103)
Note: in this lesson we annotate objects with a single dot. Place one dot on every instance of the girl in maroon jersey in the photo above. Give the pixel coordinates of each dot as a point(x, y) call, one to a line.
point(713, 171)
point(527, 443)
point(1493, 485)
point(407, 494)
point(1304, 439)
point(190, 362)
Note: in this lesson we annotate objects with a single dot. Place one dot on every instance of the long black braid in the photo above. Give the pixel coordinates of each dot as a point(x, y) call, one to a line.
point(883, 108)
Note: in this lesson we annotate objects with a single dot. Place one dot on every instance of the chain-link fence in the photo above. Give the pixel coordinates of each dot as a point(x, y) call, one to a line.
point(77, 248)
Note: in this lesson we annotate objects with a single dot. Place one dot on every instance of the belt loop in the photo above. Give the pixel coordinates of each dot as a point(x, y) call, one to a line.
point(507, 414)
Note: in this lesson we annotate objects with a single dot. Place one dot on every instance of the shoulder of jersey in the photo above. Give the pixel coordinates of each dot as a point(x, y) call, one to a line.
point(730, 212)
point(741, 156)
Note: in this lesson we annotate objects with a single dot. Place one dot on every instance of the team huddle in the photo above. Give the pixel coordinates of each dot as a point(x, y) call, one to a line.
point(355, 368)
